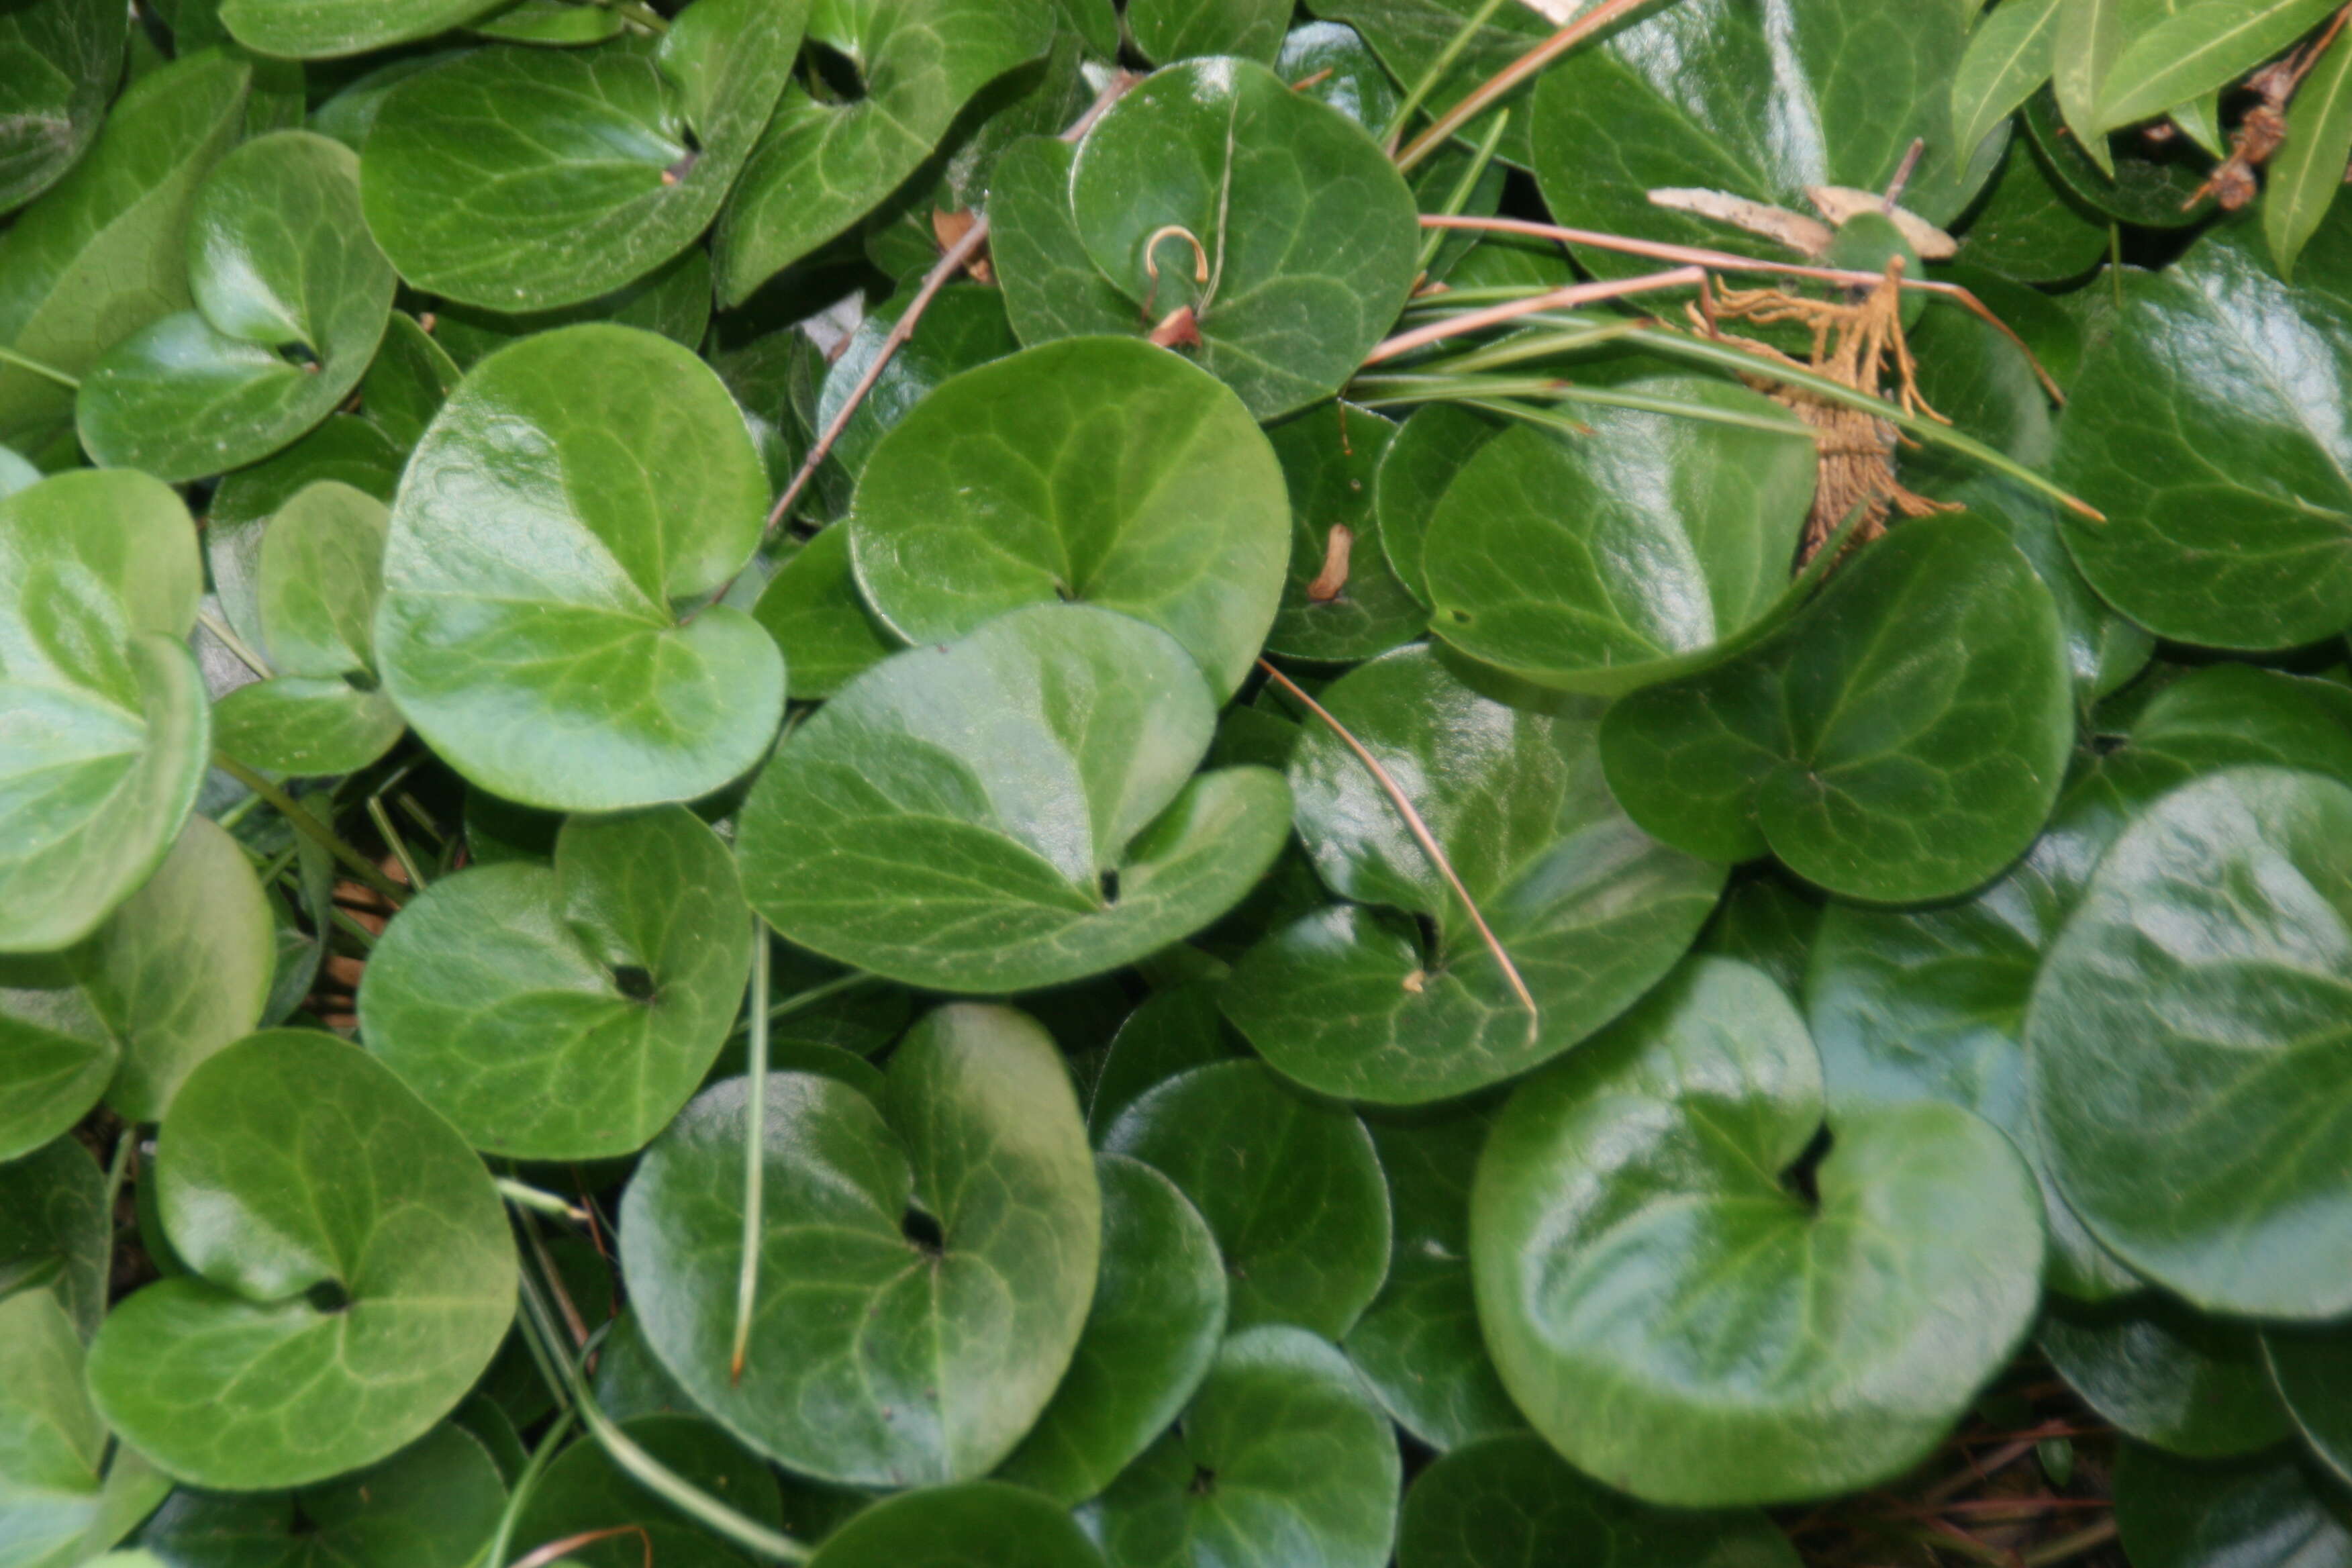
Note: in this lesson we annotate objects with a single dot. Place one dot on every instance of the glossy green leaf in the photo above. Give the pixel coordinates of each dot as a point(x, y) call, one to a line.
point(963, 327)
point(584, 1491)
point(434, 1504)
point(291, 297)
point(1673, 1314)
point(2029, 226)
point(2129, 188)
point(61, 1500)
point(2312, 1371)
point(1330, 455)
point(673, 299)
point(2271, 1511)
point(59, 59)
point(1280, 1457)
point(925, 1265)
point(1509, 1502)
point(558, 24)
point(55, 1233)
point(2167, 1376)
point(1431, 448)
point(1332, 62)
point(1359, 1001)
point(2305, 177)
point(410, 378)
point(813, 610)
point(1902, 738)
point(2185, 1042)
point(1608, 561)
point(1168, 30)
point(103, 731)
point(1063, 840)
point(2009, 55)
point(352, 1272)
point(558, 536)
point(345, 449)
point(1410, 35)
point(1419, 1348)
point(104, 253)
point(312, 28)
point(57, 1055)
point(980, 1524)
point(1290, 1186)
point(1770, 923)
point(2090, 36)
point(823, 166)
point(1169, 1032)
point(566, 1013)
point(607, 160)
point(1306, 237)
point(2196, 50)
point(1100, 470)
point(1159, 1314)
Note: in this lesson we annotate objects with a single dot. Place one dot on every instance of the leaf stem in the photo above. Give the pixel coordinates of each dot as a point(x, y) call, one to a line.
point(1421, 835)
point(1462, 189)
point(1565, 298)
point(533, 1468)
point(1606, 14)
point(523, 1196)
point(799, 1000)
point(237, 644)
point(382, 820)
point(363, 870)
point(2087, 1538)
point(1419, 91)
point(47, 372)
point(644, 16)
point(1646, 403)
point(755, 1164)
point(119, 1168)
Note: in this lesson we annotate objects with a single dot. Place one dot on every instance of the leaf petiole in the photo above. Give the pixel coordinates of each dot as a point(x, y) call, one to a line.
point(363, 870)
point(755, 1164)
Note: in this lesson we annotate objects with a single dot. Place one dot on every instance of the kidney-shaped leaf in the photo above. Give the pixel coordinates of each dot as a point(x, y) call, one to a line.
point(566, 1013)
point(301, 29)
point(558, 538)
point(2273, 1510)
point(1675, 1315)
point(2168, 1375)
point(2191, 1051)
point(981, 1524)
point(1612, 560)
point(1902, 738)
point(1011, 811)
point(291, 297)
point(341, 1236)
point(104, 734)
point(925, 1262)
point(1101, 470)
point(1354, 1000)
point(62, 59)
point(517, 178)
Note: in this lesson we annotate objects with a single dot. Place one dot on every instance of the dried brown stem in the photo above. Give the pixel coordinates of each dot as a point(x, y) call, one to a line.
point(1573, 295)
point(1608, 14)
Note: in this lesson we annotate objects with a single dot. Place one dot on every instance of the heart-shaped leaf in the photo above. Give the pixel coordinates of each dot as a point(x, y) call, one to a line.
point(60, 1502)
point(925, 1265)
point(2271, 1508)
point(566, 1013)
point(1674, 1313)
point(584, 1491)
point(332, 1222)
point(1510, 1501)
point(1066, 837)
point(576, 494)
point(813, 610)
point(103, 727)
point(963, 328)
point(413, 374)
point(1212, 189)
point(1168, 30)
point(63, 57)
point(820, 166)
point(105, 252)
point(1358, 1000)
point(434, 1504)
point(1290, 1187)
point(609, 161)
point(1431, 448)
point(291, 297)
point(1158, 1316)
point(2312, 1371)
point(1419, 1348)
point(1607, 561)
point(345, 449)
point(976, 1525)
point(1100, 470)
point(320, 575)
point(302, 29)
point(2186, 1042)
point(2208, 357)
point(2167, 1376)
point(673, 299)
point(55, 1232)
point(1341, 601)
point(1902, 738)
point(1281, 1457)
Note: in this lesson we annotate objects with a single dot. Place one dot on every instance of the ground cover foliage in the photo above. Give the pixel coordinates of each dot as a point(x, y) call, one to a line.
point(1011, 783)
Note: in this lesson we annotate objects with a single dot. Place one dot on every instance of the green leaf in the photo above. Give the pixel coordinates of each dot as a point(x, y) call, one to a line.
point(1673, 1314)
point(2029, 227)
point(55, 1235)
point(340, 1233)
point(57, 1055)
point(1167, 30)
point(1169, 1032)
point(1100, 470)
point(2167, 1376)
point(1357, 1000)
point(2269, 1508)
point(1158, 1315)
point(1410, 35)
point(1280, 1457)
point(2009, 55)
point(310, 30)
point(566, 1013)
point(822, 165)
point(434, 1504)
point(291, 297)
point(2184, 1039)
point(61, 59)
point(558, 24)
point(410, 377)
point(1767, 921)
point(59, 1503)
point(1330, 62)
point(1066, 837)
point(103, 731)
point(346, 450)
point(584, 1491)
point(1290, 1186)
point(1051, 288)
point(925, 1264)
point(2203, 48)
point(558, 536)
point(605, 163)
point(811, 607)
point(2303, 181)
point(1510, 1501)
point(2127, 188)
point(2091, 35)
point(1330, 455)
point(1432, 446)
point(104, 253)
point(1902, 738)
point(980, 1524)
point(963, 327)
point(1419, 1348)
point(2312, 1371)
point(1611, 561)
point(1307, 241)
point(673, 299)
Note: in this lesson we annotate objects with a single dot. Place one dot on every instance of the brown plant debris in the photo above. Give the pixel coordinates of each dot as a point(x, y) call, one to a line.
point(1857, 342)
point(948, 229)
point(2262, 130)
point(1332, 580)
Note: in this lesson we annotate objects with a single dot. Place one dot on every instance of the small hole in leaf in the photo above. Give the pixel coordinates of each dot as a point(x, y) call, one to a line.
point(1204, 1481)
point(361, 679)
point(1111, 886)
point(835, 76)
point(922, 1231)
point(299, 354)
point(328, 1296)
point(635, 984)
point(1803, 1177)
